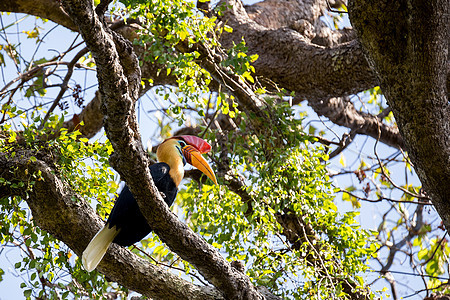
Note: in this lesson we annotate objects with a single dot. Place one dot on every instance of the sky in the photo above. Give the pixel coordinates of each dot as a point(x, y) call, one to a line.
point(60, 38)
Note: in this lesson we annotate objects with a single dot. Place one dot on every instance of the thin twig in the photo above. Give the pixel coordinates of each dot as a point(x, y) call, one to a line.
point(345, 141)
point(41, 40)
point(384, 113)
point(211, 121)
point(29, 74)
point(427, 289)
point(168, 266)
point(64, 85)
point(384, 198)
point(435, 250)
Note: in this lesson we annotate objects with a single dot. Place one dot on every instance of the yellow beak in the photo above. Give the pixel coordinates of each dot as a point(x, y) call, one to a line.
point(195, 158)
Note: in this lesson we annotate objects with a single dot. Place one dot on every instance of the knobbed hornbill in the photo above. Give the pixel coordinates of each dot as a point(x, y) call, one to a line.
point(126, 225)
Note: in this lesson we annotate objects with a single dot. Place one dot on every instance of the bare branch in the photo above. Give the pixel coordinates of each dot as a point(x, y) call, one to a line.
point(64, 85)
point(346, 140)
point(341, 111)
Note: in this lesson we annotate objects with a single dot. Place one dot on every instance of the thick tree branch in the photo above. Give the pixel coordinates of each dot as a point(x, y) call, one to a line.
point(407, 43)
point(286, 57)
point(59, 211)
point(294, 63)
point(283, 53)
point(48, 9)
point(341, 111)
point(302, 16)
point(91, 115)
point(274, 14)
point(297, 232)
point(115, 64)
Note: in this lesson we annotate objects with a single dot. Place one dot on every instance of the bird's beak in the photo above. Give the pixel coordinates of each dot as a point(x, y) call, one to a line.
point(195, 158)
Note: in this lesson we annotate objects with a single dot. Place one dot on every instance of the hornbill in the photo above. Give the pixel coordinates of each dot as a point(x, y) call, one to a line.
point(126, 225)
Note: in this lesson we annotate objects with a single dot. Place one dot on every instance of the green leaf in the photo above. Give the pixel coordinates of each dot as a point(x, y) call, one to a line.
point(422, 254)
point(432, 268)
point(342, 160)
point(227, 28)
point(417, 241)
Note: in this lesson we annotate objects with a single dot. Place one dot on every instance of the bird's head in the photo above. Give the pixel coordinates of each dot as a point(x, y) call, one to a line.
point(178, 150)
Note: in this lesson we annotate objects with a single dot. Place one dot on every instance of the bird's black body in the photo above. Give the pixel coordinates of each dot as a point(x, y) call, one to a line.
point(126, 215)
point(126, 225)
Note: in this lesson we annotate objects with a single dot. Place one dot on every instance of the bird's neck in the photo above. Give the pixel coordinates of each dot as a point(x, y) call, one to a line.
point(176, 172)
point(170, 155)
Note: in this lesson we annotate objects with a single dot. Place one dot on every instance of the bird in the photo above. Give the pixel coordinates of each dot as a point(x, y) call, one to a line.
point(126, 225)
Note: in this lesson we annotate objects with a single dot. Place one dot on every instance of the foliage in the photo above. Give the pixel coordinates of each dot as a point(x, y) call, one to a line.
point(53, 271)
point(288, 179)
point(168, 24)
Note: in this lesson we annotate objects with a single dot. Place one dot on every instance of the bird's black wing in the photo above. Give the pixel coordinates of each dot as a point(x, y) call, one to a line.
point(126, 215)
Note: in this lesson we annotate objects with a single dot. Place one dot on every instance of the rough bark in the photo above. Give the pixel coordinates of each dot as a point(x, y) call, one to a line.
point(407, 43)
point(302, 16)
point(92, 115)
point(285, 53)
point(118, 75)
point(48, 9)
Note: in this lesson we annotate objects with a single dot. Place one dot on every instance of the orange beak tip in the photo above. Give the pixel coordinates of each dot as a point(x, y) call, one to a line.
point(195, 158)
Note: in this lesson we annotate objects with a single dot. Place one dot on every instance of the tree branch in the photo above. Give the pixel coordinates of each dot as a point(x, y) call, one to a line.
point(59, 211)
point(64, 85)
point(341, 111)
point(407, 43)
point(302, 16)
point(115, 62)
point(284, 54)
point(48, 9)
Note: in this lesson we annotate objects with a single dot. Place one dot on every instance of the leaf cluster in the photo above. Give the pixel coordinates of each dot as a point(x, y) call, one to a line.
point(285, 180)
point(52, 271)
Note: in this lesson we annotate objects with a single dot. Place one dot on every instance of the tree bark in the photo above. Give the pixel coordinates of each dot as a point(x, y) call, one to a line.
point(48, 9)
point(284, 54)
point(407, 44)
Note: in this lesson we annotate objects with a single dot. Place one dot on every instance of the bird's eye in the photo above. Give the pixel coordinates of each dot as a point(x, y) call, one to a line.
point(182, 143)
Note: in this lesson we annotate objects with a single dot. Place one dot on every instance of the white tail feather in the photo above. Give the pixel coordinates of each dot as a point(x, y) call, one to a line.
point(96, 249)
